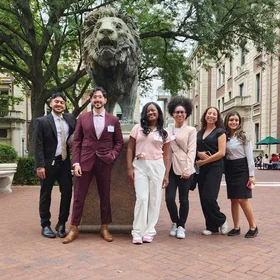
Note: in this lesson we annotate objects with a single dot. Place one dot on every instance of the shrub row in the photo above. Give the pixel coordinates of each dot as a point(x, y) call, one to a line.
point(25, 174)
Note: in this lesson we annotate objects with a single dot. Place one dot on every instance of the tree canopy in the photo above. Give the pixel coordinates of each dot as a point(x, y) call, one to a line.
point(40, 41)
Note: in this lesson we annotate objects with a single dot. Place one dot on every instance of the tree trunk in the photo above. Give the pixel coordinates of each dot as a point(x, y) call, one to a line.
point(37, 110)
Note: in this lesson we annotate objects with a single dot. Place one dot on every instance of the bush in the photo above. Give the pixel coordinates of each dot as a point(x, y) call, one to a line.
point(7, 154)
point(25, 174)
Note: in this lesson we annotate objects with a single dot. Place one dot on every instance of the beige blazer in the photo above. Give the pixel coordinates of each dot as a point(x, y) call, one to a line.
point(183, 160)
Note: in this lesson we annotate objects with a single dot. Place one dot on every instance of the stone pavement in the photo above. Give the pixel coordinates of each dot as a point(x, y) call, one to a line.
point(25, 254)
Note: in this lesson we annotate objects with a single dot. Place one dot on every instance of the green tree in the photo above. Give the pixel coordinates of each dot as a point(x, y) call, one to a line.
point(40, 41)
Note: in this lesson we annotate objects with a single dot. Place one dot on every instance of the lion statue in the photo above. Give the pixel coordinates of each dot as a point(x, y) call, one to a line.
point(112, 53)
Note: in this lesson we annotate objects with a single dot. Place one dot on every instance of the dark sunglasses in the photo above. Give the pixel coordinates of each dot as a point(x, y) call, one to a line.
point(179, 112)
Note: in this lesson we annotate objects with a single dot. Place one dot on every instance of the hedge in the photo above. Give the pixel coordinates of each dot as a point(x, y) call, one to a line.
point(7, 154)
point(25, 174)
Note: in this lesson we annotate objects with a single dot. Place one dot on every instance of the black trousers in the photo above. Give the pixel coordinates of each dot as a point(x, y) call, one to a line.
point(209, 181)
point(60, 172)
point(183, 186)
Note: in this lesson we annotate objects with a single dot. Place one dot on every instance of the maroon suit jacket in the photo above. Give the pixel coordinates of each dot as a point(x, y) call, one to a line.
point(86, 144)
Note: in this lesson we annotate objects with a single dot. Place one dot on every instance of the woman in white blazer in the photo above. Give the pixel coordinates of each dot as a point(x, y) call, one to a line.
point(183, 147)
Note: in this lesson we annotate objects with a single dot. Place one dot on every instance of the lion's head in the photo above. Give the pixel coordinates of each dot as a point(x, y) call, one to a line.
point(110, 38)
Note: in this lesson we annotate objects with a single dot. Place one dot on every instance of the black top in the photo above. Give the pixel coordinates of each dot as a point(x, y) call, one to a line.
point(210, 142)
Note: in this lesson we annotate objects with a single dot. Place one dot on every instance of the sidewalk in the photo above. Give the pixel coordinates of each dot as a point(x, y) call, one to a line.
point(25, 254)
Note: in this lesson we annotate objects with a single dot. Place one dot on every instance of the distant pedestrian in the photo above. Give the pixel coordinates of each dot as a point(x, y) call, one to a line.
point(239, 173)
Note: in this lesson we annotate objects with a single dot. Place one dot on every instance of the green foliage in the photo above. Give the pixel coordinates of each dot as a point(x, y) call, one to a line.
point(40, 41)
point(7, 154)
point(25, 174)
point(8, 100)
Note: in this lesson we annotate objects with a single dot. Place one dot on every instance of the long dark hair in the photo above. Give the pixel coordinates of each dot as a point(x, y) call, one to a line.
point(145, 122)
point(219, 122)
point(239, 132)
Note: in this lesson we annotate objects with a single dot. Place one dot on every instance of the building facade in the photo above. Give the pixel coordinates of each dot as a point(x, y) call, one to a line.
point(14, 119)
point(248, 83)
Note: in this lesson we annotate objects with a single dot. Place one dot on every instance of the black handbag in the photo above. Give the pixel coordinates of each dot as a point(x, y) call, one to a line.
point(194, 178)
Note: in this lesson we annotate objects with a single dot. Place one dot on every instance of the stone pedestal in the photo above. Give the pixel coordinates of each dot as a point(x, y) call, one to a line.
point(122, 199)
point(7, 172)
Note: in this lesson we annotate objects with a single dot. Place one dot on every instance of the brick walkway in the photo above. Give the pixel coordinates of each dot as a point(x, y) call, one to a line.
point(25, 254)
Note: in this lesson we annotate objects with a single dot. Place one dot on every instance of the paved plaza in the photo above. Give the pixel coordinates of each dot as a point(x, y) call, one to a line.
point(25, 254)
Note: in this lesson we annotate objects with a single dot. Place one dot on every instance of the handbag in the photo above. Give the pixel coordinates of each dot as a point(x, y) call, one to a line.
point(194, 178)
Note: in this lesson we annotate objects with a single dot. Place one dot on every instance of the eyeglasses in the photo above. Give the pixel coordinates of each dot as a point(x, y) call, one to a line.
point(179, 112)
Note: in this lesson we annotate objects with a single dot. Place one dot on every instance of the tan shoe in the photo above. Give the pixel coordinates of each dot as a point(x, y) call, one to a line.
point(104, 232)
point(72, 234)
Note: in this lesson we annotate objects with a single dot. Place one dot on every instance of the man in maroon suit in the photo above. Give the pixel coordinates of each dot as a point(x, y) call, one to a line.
point(97, 142)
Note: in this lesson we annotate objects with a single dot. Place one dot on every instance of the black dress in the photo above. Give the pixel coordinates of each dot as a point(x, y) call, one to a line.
point(210, 176)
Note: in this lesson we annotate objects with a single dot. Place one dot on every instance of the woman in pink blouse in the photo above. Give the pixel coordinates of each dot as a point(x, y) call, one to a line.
point(147, 159)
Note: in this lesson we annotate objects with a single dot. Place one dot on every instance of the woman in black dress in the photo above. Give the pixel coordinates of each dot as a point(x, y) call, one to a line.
point(211, 146)
point(239, 173)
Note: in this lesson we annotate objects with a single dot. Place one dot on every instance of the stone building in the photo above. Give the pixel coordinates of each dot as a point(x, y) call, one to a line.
point(14, 119)
point(248, 83)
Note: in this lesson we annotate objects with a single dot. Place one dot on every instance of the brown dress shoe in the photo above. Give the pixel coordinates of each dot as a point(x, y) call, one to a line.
point(72, 234)
point(104, 232)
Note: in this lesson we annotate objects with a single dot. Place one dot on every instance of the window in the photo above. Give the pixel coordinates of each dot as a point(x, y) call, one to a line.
point(229, 95)
point(243, 54)
point(257, 132)
point(3, 133)
point(258, 87)
point(219, 105)
point(221, 75)
point(4, 102)
point(223, 103)
point(230, 67)
point(241, 90)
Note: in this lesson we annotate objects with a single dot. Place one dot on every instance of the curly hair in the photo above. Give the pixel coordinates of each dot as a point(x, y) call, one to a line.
point(145, 122)
point(176, 101)
point(219, 122)
point(239, 132)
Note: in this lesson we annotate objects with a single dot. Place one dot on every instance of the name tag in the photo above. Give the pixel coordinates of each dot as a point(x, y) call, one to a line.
point(111, 128)
point(158, 138)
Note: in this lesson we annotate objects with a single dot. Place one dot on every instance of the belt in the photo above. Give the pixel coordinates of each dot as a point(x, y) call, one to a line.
point(58, 157)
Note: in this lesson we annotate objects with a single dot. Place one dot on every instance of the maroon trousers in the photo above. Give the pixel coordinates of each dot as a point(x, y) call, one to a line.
point(102, 172)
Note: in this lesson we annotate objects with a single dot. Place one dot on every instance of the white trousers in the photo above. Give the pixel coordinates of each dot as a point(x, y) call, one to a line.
point(148, 177)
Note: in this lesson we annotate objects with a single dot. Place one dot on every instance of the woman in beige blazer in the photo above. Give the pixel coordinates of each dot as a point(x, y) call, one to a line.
point(183, 147)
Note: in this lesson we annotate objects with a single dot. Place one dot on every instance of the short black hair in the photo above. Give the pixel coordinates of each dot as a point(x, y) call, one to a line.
point(176, 101)
point(93, 91)
point(58, 94)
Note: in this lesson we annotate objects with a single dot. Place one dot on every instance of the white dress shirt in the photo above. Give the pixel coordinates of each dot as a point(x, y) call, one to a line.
point(99, 122)
point(58, 131)
point(235, 149)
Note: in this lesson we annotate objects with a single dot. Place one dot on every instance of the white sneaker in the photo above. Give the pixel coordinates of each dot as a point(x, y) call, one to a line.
point(180, 233)
point(208, 232)
point(224, 228)
point(173, 230)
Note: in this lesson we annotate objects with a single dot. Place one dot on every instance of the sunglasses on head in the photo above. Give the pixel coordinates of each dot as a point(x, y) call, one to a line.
point(179, 112)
